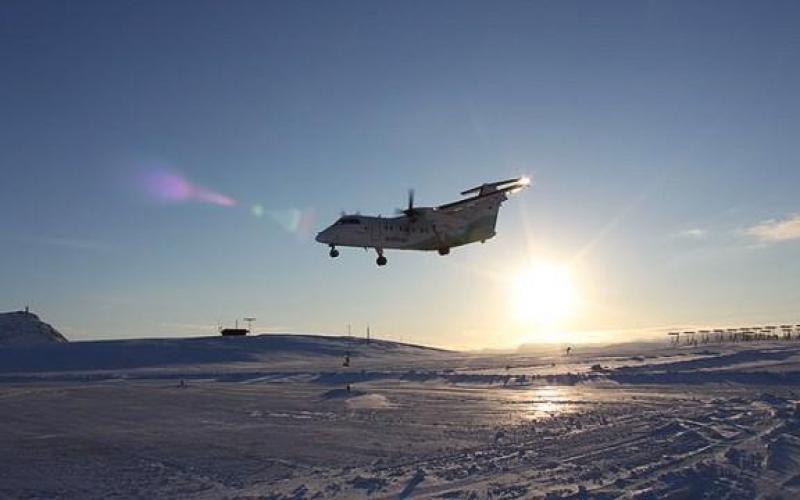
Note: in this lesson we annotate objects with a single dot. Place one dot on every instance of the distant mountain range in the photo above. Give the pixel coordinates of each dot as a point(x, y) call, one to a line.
point(22, 329)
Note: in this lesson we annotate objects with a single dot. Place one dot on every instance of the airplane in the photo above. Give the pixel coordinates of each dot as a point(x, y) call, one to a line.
point(425, 228)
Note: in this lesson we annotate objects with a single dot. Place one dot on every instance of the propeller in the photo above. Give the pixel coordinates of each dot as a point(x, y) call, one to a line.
point(410, 212)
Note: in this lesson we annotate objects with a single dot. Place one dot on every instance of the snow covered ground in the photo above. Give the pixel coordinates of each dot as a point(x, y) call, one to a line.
point(269, 417)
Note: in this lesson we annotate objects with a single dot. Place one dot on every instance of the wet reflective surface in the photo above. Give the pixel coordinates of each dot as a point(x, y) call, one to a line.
point(547, 401)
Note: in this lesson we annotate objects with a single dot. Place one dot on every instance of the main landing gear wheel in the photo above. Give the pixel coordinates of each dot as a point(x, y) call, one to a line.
point(444, 251)
point(381, 261)
point(334, 253)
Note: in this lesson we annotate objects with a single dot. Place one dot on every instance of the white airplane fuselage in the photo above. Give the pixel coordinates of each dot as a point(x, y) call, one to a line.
point(405, 233)
point(425, 228)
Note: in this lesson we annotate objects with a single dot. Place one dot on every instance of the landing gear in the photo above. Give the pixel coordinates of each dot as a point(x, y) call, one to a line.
point(333, 253)
point(381, 260)
point(444, 250)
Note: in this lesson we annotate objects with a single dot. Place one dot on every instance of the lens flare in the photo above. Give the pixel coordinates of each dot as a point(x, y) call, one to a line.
point(257, 210)
point(296, 221)
point(170, 187)
point(166, 185)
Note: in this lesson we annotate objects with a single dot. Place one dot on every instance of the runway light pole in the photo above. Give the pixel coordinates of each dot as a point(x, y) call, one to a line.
point(250, 324)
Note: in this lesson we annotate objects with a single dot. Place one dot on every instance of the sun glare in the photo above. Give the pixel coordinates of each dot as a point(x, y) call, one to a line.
point(543, 295)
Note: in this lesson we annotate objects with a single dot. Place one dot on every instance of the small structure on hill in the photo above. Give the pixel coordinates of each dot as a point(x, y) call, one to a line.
point(234, 332)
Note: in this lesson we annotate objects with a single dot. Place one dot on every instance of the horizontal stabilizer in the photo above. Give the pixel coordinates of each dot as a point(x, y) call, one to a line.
point(489, 187)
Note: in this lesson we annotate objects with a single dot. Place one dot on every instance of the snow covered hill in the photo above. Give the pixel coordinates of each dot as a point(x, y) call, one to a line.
point(22, 328)
point(286, 352)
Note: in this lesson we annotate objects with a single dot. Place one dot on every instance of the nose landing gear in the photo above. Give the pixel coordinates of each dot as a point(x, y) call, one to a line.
point(333, 253)
point(381, 260)
point(444, 250)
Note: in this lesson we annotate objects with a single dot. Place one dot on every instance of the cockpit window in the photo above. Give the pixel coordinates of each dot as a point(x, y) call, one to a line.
point(349, 220)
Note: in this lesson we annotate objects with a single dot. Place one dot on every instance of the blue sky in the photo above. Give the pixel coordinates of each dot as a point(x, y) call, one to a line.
point(661, 138)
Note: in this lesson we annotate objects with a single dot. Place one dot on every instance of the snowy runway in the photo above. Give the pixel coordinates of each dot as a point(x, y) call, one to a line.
point(465, 430)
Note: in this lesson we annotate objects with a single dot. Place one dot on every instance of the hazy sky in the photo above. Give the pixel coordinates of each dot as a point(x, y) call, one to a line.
point(662, 139)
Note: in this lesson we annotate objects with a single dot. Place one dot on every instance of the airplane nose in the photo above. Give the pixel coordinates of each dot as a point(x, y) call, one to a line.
point(327, 236)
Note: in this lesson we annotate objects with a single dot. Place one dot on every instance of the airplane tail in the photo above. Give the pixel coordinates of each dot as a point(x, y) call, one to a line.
point(482, 227)
point(478, 214)
point(483, 208)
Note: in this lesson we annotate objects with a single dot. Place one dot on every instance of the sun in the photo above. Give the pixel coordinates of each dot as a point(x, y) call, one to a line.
point(543, 295)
